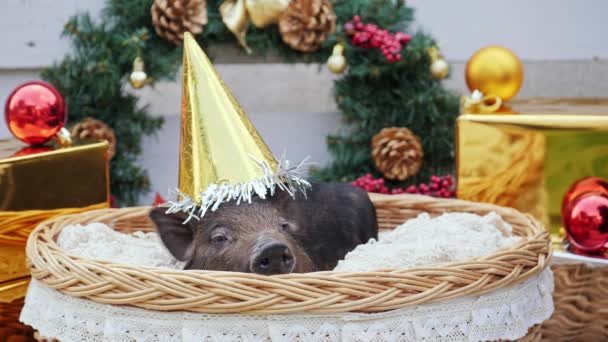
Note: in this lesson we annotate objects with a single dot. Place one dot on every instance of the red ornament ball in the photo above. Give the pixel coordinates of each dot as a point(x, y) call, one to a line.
point(30, 150)
point(587, 184)
point(35, 112)
point(586, 221)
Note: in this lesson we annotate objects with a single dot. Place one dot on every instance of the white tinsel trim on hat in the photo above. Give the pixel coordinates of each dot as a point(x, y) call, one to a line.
point(286, 178)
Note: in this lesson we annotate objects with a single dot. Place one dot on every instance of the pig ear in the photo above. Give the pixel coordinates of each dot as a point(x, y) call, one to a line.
point(282, 199)
point(177, 236)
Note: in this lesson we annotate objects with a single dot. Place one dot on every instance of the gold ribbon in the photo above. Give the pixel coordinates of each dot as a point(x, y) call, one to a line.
point(237, 13)
point(478, 103)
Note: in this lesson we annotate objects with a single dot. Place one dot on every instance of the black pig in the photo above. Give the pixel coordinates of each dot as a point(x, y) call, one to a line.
point(274, 235)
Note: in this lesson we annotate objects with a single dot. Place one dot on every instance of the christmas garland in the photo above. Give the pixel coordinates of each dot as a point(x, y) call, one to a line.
point(389, 81)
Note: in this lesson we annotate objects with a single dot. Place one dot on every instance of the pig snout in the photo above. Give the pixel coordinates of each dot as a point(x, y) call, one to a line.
point(272, 257)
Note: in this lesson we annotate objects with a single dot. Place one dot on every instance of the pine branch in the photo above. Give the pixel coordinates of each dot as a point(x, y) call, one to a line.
point(371, 95)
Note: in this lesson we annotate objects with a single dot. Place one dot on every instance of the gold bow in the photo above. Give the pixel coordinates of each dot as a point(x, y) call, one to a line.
point(237, 13)
point(478, 103)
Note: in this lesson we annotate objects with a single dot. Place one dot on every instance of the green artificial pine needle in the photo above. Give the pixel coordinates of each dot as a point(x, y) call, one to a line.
point(372, 94)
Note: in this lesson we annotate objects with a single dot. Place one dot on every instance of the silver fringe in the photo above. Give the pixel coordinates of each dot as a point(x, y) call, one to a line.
point(285, 178)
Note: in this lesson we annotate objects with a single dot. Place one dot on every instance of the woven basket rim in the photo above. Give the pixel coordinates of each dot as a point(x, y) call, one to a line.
point(316, 292)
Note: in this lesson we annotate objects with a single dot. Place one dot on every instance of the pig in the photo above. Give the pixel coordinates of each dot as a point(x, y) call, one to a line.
point(276, 235)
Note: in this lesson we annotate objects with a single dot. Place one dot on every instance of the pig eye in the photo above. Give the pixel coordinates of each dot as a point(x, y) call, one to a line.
point(219, 238)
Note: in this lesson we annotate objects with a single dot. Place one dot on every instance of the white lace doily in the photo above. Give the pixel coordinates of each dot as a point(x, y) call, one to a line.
point(503, 314)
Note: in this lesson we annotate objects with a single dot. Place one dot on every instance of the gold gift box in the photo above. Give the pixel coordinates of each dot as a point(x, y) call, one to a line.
point(12, 263)
point(37, 183)
point(13, 289)
point(51, 178)
point(528, 161)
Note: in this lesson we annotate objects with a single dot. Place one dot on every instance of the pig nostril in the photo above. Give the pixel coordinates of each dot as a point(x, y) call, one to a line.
point(275, 258)
point(286, 258)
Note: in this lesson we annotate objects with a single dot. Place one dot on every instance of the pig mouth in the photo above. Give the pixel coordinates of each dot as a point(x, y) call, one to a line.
point(272, 257)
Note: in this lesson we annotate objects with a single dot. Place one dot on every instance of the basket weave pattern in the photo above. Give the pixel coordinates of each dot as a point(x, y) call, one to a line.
point(10, 327)
point(17, 225)
point(318, 292)
point(581, 304)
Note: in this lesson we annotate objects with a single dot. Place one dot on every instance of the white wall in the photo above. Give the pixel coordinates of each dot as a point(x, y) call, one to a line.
point(562, 44)
point(535, 30)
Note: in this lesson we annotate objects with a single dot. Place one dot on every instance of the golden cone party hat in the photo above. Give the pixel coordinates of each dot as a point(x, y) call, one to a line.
point(222, 155)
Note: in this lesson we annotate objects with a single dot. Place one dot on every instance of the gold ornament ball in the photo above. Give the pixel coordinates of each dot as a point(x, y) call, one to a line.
point(336, 63)
point(440, 68)
point(138, 79)
point(495, 70)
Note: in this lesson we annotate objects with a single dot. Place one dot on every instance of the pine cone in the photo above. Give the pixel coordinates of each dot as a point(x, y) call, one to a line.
point(397, 153)
point(306, 24)
point(90, 128)
point(171, 18)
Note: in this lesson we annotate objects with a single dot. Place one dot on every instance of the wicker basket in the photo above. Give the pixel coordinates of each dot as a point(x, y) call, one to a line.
point(318, 292)
point(581, 304)
point(11, 329)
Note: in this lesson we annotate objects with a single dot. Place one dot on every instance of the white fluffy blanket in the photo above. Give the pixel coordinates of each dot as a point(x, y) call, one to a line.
point(98, 241)
point(420, 241)
point(424, 240)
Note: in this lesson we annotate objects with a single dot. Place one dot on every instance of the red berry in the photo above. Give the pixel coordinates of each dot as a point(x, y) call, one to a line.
point(424, 187)
point(403, 38)
point(371, 36)
point(349, 28)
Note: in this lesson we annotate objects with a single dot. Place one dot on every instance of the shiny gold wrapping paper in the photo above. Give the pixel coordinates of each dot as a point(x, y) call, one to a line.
point(12, 263)
point(37, 183)
point(218, 141)
point(67, 177)
point(13, 289)
point(528, 161)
